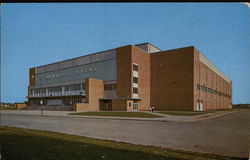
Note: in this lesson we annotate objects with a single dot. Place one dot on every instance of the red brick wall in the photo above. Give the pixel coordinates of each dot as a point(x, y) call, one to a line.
point(205, 76)
point(32, 74)
point(172, 79)
point(126, 56)
point(124, 72)
point(142, 58)
point(94, 91)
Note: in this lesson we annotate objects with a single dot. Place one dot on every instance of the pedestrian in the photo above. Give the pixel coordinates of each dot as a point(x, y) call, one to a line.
point(153, 108)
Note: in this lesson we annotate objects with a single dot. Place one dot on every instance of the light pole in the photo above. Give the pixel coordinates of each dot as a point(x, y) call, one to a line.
point(41, 102)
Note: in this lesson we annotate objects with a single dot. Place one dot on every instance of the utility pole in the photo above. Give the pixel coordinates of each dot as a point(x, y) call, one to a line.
point(41, 102)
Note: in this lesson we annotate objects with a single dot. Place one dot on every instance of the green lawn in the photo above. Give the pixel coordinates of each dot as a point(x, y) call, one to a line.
point(180, 113)
point(8, 108)
point(117, 114)
point(27, 144)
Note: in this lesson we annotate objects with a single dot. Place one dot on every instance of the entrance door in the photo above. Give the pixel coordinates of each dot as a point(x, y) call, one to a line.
point(107, 106)
point(135, 106)
point(199, 105)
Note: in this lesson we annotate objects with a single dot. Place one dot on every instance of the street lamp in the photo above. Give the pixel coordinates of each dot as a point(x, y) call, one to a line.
point(41, 80)
point(41, 102)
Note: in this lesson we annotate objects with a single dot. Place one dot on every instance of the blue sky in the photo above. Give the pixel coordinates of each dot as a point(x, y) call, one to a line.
point(38, 34)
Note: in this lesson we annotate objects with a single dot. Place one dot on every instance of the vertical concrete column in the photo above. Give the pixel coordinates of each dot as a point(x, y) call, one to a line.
point(62, 90)
point(47, 92)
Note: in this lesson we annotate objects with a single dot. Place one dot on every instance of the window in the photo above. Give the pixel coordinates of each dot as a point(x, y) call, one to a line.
point(135, 90)
point(83, 86)
point(198, 87)
point(203, 88)
point(135, 67)
point(75, 87)
point(135, 80)
point(114, 86)
point(105, 86)
point(209, 90)
point(110, 86)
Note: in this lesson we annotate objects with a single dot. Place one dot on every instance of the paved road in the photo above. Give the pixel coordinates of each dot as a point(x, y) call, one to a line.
point(224, 135)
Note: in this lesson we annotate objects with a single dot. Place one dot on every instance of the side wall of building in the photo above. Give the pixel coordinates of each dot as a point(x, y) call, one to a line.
point(126, 57)
point(94, 92)
point(213, 88)
point(124, 72)
point(32, 75)
point(172, 79)
point(142, 58)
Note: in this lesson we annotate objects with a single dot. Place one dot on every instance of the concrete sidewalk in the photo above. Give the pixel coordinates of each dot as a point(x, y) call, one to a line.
point(164, 117)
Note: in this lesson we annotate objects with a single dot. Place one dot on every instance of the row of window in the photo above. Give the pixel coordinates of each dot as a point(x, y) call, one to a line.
point(65, 101)
point(74, 87)
point(135, 79)
point(212, 91)
point(54, 89)
point(110, 86)
point(73, 101)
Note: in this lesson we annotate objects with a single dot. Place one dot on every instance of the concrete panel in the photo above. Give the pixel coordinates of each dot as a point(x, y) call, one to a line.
point(206, 62)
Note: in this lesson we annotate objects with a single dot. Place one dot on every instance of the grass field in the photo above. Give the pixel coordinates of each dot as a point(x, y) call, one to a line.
point(181, 113)
point(117, 114)
point(27, 144)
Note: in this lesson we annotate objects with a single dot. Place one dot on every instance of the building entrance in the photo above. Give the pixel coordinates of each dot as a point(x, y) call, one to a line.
point(135, 106)
point(199, 105)
point(107, 105)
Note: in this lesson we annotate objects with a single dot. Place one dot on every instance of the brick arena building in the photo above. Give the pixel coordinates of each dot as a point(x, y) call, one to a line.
point(132, 77)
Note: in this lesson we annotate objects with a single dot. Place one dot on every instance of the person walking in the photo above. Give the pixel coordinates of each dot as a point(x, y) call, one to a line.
point(153, 108)
point(150, 109)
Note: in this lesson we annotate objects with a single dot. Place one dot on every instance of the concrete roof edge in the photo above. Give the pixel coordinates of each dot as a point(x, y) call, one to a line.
point(149, 44)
